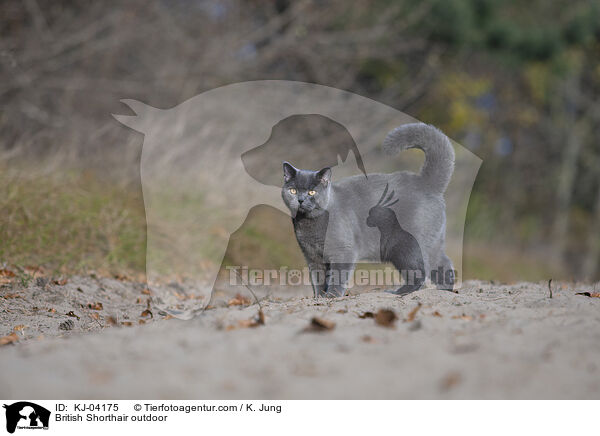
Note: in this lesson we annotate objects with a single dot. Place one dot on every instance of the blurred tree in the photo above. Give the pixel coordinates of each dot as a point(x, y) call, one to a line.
point(517, 82)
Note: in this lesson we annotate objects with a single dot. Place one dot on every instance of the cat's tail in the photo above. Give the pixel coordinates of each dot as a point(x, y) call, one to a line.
point(439, 154)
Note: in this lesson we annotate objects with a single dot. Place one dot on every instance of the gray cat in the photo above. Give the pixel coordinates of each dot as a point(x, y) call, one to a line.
point(339, 224)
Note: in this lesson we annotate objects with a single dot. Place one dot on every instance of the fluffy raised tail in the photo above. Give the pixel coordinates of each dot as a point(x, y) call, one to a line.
point(439, 154)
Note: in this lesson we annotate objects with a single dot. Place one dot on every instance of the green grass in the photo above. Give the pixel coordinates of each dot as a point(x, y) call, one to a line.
point(263, 241)
point(70, 221)
point(492, 261)
point(76, 222)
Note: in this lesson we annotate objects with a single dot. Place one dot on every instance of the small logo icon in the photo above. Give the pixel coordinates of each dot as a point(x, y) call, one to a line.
point(26, 415)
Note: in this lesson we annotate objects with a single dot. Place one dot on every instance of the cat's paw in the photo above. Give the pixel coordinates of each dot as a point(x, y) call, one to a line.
point(403, 290)
point(334, 293)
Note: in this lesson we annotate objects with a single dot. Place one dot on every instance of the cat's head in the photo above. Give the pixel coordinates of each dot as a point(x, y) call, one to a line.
point(306, 192)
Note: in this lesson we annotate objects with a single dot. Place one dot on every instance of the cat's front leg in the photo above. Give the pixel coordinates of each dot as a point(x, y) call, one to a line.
point(318, 278)
point(339, 276)
point(444, 275)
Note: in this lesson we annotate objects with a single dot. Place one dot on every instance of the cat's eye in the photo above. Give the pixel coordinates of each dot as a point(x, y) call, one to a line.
point(292, 191)
point(311, 193)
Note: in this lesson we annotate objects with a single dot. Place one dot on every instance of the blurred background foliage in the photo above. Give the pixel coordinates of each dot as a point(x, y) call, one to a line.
point(517, 83)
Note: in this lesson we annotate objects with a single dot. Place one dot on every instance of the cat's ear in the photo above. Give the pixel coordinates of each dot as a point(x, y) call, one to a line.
point(325, 176)
point(289, 172)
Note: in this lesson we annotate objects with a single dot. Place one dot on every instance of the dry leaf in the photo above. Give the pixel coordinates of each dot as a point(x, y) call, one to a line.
point(95, 306)
point(463, 317)
point(450, 380)
point(9, 339)
point(127, 323)
point(342, 311)
point(319, 325)
point(32, 269)
point(239, 300)
point(413, 313)
point(111, 320)
point(368, 339)
point(139, 300)
point(167, 316)
point(6, 276)
point(436, 313)
point(8, 296)
point(589, 294)
point(19, 327)
point(146, 291)
point(249, 323)
point(245, 323)
point(60, 282)
point(146, 313)
point(385, 317)
point(261, 317)
point(95, 316)
point(52, 310)
point(366, 315)
point(141, 321)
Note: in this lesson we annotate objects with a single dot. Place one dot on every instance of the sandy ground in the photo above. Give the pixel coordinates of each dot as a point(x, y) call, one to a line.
point(487, 341)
